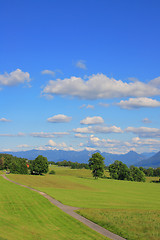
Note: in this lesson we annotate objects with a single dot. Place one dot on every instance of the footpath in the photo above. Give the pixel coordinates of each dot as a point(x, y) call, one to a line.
point(71, 211)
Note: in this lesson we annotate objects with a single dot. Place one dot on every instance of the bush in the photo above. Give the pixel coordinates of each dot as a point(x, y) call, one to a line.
point(52, 172)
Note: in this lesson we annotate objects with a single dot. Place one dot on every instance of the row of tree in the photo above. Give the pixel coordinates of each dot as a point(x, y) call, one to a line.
point(120, 171)
point(23, 166)
point(73, 165)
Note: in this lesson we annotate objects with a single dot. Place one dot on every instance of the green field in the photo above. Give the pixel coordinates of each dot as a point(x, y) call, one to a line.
point(130, 209)
point(25, 214)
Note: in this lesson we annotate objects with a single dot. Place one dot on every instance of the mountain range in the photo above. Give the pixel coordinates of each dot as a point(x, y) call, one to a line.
point(130, 158)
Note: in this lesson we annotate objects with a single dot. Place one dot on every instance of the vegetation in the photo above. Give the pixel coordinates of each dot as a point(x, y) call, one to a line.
point(13, 164)
point(109, 200)
point(120, 171)
point(73, 165)
point(39, 165)
point(26, 215)
point(52, 172)
point(96, 164)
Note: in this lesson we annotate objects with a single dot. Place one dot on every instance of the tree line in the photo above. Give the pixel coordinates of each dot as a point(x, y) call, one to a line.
point(40, 165)
point(22, 165)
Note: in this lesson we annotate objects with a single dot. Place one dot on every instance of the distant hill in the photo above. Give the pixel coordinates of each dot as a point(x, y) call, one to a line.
point(130, 158)
point(153, 161)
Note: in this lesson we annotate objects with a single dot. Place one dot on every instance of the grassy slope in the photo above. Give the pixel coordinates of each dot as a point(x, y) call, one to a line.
point(127, 208)
point(27, 215)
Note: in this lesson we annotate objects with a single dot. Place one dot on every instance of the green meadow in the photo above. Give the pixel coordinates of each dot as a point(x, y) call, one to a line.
point(25, 214)
point(130, 209)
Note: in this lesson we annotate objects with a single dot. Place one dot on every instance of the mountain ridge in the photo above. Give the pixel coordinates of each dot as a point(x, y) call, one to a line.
point(130, 158)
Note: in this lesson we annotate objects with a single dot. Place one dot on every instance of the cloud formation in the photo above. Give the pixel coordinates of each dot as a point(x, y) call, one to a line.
point(98, 129)
point(48, 135)
point(4, 120)
point(144, 132)
point(138, 103)
point(92, 120)
point(14, 78)
point(81, 64)
point(60, 118)
point(146, 120)
point(48, 72)
point(101, 87)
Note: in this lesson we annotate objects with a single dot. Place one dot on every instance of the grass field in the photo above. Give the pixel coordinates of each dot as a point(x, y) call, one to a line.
point(130, 209)
point(27, 215)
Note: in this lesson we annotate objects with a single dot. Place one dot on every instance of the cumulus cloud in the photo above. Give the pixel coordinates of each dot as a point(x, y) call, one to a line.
point(87, 106)
point(60, 118)
point(139, 103)
point(98, 129)
point(101, 87)
point(144, 132)
point(48, 72)
point(81, 64)
point(146, 120)
point(14, 78)
point(4, 120)
point(92, 120)
point(48, 135)
point(79, 135)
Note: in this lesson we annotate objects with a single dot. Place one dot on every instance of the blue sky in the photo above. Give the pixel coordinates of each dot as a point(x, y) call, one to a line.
point(80, 75)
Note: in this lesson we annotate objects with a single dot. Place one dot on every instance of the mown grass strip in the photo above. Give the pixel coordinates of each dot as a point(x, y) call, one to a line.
point(25, 215)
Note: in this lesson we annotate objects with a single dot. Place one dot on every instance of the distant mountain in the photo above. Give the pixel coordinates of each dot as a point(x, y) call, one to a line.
point(130, 158)
point(153, 161)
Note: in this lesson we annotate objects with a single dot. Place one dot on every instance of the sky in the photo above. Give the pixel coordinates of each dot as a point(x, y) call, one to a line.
point(78, 75)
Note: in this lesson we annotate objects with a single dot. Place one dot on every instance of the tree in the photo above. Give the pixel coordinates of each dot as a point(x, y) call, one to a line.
point(119, 171)
point(1, 162)
point(137, 175)
point(18, 166)
point(39, 165)
point(96, 164)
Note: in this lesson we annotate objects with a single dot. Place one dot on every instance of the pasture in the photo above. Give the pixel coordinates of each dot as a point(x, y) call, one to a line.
point(130, 209)
point(26, 215)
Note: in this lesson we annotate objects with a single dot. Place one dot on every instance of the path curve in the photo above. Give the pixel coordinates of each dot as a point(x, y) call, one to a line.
point(70, 210)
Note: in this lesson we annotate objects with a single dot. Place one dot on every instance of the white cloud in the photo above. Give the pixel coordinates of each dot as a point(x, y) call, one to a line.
point(14, 78)
point(23, 146)
point(49, 72)
point(81, 64)
point(101, 87)
point(4, 120)
point(48, 135)
point(98, 129)
point(79, 135)
point(87, 106)
point(139, 103)
point(12, 135)
point(92, 120)
point(60, 118)
point(144, 132)
point(146, 120)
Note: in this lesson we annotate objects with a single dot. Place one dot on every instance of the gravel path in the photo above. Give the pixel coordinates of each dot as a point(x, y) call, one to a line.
point(70, 210)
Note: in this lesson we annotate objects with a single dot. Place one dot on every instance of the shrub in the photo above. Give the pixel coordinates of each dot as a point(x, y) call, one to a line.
point(52, 172)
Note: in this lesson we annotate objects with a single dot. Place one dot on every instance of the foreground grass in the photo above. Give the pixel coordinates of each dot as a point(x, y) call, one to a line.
point(25, 215)
point(130, 209)
point(131, 224)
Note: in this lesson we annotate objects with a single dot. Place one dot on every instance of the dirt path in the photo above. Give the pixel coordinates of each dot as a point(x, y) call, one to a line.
point(70, 210)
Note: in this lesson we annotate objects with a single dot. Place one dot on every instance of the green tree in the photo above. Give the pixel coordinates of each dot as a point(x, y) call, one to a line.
point(137, 175)
point(1, 162)
point(96, 164)
point(18, 166)
point(119, 171)
point(39, 165)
